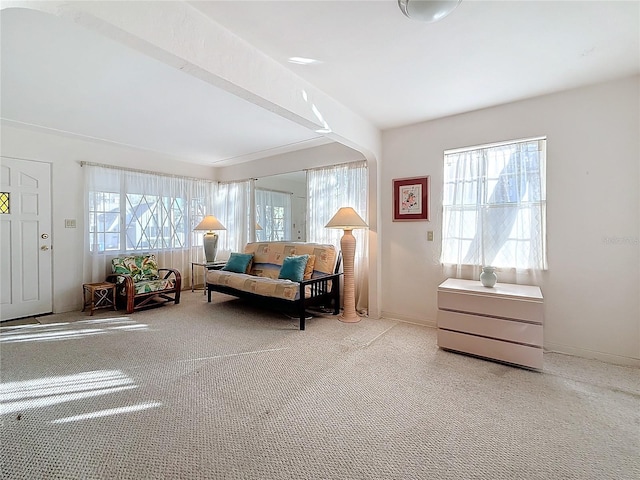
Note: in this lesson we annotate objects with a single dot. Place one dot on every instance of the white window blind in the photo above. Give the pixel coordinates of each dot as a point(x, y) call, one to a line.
point(494, 206)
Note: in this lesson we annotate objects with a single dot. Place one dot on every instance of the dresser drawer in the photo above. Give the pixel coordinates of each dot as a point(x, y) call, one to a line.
point(495, 306)
point(509, 330)
point(493, 349)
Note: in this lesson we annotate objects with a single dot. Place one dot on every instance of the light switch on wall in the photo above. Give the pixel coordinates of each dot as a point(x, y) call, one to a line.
point(430, 236)
point(69, 223)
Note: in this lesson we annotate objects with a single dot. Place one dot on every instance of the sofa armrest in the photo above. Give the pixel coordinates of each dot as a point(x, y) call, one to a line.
point(320, 285)
point(127, 281)
point(126, 287)
point(170, 271)
point(322, 278)
point(319, 288)
point(175, 273)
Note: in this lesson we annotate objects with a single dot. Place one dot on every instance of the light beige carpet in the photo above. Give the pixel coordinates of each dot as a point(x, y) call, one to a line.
point(227, 391)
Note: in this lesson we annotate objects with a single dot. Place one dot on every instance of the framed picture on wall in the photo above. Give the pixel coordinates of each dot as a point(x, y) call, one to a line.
point(410, 199)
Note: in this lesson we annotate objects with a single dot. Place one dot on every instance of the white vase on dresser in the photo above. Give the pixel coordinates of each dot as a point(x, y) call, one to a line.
point(503, 323)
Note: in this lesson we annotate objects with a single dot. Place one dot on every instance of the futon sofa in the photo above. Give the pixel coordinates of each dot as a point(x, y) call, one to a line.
point(140, 283)
point(293, 275)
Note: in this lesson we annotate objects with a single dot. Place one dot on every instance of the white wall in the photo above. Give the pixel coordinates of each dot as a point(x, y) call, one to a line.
point(592, 286)
point(65, 155)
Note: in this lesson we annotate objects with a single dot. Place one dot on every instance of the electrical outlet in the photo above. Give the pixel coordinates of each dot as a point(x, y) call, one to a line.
point(430, 236)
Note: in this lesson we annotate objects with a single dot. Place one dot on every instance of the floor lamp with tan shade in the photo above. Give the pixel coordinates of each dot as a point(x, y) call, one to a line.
point(347, 219)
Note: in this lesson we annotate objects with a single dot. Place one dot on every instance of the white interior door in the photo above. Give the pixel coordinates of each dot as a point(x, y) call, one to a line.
point(25, 238)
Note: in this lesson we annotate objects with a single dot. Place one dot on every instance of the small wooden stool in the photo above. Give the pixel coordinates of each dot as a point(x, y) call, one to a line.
point(101, 295)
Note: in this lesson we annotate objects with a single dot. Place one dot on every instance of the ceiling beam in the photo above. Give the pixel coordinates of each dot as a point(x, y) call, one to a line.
point(181, 36)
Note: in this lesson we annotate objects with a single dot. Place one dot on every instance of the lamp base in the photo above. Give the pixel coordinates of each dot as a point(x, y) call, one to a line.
point(349, 318)
point(210, 243)
point(348, 246)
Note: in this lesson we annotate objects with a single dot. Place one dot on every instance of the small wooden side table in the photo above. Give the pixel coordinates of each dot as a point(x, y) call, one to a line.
point(99, 295)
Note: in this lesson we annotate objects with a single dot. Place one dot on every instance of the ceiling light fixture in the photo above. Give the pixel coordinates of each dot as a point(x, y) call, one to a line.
point(303, 61)
point(428, 11)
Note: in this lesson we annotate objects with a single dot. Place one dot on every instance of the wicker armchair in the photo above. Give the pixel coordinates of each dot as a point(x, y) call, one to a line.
point(141, 284)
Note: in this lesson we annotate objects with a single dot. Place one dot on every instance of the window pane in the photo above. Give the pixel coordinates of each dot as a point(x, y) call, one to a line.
point(273, 214)
point(494, 206)
point(4, 202)
point(104, 216)
point(133, 211)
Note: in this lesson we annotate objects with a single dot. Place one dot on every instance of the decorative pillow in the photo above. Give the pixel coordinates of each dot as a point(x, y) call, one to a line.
point(308, 270)
point(293, 268)
point(239, 263)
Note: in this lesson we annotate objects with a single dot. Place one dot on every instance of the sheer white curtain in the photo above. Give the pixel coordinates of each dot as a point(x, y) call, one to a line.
point(273, 213)
point(328, 189)
point(494, 211)
point(233, 206)
point(130, 212)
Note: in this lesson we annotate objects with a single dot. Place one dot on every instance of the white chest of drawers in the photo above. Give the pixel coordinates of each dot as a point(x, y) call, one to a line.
point(502, 323)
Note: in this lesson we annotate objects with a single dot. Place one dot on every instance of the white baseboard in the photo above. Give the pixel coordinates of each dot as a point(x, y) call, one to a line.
point(550, 347)
point(407, 319)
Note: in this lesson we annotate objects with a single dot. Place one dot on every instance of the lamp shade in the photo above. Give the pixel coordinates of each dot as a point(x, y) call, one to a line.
point(428, 11)
point(210, 223)
point(347, 219)
point(258, 227)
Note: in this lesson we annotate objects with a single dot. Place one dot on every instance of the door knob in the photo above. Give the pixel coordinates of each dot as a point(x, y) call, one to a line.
point(44, 247)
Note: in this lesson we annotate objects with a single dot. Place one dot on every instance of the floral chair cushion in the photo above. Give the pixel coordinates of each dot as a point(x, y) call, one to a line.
point(147, 286)
point(140, 267)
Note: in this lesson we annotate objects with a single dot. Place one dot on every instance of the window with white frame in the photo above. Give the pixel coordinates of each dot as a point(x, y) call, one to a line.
point(494, 205)
point(133, 211)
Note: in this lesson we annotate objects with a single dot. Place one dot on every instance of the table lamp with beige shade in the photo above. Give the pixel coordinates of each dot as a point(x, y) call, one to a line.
point(347, 219)
point(210, 239)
